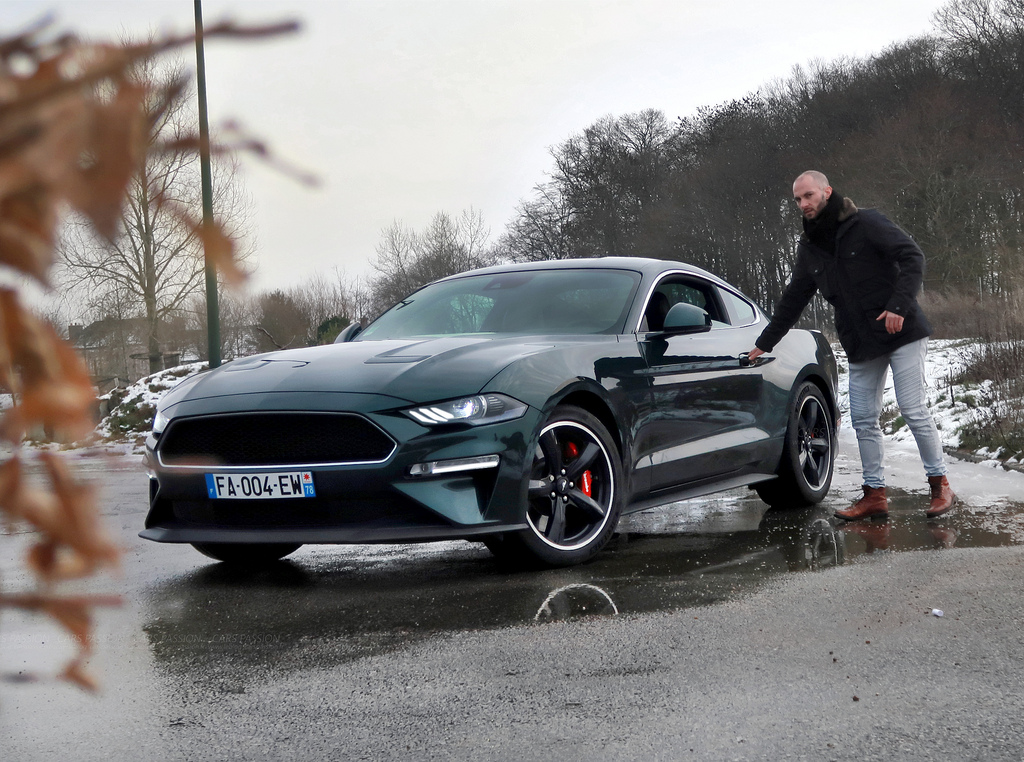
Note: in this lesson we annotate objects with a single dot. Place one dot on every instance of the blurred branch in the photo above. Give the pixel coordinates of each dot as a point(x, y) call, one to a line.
point(77, 122)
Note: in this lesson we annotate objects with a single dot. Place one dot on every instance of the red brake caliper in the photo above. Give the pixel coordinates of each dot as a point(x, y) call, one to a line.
point(587, 480)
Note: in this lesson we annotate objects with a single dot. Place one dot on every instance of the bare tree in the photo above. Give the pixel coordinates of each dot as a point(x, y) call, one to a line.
point(325, 308)
point(156, 259)
point(540, 229)
point(986, 42)
point(237, 313)
point(611, 176)
point(407, 260)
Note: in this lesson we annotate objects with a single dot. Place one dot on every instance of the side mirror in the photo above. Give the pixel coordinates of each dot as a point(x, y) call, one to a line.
point(686, 318)
point(348, 333)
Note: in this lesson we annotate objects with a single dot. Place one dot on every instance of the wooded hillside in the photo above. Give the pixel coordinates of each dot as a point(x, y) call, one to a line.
point(928, 131)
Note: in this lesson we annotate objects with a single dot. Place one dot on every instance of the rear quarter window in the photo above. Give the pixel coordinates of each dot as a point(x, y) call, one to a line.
point(740, 311)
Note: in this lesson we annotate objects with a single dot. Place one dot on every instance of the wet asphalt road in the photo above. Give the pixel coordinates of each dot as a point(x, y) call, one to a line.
point(707, 630)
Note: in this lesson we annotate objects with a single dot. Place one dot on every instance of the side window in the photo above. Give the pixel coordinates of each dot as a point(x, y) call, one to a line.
point(675, 289)
point(740, 311)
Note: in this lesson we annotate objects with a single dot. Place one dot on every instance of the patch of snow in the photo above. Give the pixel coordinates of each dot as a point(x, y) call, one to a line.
point(954, 406)
point(131, 409)
point(980, 488)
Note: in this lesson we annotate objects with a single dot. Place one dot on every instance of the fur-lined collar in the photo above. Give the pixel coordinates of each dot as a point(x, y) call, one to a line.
point(849, 209)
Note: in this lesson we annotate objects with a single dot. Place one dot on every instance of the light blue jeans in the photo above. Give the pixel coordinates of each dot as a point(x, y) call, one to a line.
point(867, 385)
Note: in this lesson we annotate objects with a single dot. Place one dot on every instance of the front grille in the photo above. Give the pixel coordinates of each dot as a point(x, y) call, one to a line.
point(273, 439)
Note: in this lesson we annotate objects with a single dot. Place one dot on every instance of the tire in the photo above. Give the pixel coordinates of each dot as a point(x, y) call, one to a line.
point(574, 494)
point(808, 455)
point(246, 553)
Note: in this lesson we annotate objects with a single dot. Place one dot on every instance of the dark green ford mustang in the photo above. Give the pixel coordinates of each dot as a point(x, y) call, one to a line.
point(524, 406)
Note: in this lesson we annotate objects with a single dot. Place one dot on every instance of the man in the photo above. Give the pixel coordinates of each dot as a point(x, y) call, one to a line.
point(870, 271)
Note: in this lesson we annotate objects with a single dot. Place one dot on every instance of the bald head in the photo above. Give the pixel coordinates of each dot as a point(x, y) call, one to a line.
point(811, 192)
point(815, 176)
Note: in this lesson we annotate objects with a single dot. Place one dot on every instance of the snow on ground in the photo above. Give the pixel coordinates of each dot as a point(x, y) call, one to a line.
point(986, 484)
point(983, 485)
point(986, 488)
point(127, 416)
point(993, 494)
point(149, 390)
point(952, 406)
point(130, 410)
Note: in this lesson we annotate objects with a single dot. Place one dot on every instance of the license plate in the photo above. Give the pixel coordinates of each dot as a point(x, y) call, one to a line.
point(273, 486)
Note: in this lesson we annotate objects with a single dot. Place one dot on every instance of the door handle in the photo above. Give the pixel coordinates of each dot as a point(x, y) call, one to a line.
point(746, 362)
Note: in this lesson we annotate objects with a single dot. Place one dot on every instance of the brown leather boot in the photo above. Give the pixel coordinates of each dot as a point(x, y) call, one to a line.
point(942, 496)
point(874, 503)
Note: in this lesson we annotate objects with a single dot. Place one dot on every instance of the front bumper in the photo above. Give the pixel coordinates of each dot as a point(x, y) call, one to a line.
point(361, 503)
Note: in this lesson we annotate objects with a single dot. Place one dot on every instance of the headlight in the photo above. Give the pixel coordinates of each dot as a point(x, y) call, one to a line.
point(476, 410)
point(160, 422)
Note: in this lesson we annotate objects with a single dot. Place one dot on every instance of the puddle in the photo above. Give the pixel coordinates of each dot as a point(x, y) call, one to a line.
point(803, 534)
point(329, 605)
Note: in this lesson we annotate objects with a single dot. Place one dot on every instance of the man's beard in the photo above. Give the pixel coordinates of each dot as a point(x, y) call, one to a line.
point(813, 213)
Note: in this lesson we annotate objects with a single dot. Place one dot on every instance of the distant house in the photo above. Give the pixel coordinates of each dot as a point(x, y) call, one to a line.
point(115, 351)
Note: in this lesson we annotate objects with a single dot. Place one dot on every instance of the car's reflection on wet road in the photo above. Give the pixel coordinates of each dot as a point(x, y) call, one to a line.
point(329, 605)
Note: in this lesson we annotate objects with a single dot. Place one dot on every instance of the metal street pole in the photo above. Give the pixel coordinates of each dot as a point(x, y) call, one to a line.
point(212, 309)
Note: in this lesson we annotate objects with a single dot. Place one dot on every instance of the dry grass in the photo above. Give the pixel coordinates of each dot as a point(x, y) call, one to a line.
point(993, 362)
point(961, 315)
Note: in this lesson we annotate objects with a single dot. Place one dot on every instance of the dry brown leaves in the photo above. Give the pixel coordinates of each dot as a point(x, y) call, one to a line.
point(50, 380)
point(75, 125)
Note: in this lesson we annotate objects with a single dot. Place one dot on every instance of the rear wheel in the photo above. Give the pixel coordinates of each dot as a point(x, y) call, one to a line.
point(574, 494)
point(246, 553)
point(808, 456)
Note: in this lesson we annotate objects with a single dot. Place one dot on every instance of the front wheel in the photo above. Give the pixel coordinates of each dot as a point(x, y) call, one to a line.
point(574, 494)
point(808, 455)
point(246, 553)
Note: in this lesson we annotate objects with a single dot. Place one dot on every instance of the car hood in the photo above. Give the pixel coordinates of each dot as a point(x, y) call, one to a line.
point(412, 371)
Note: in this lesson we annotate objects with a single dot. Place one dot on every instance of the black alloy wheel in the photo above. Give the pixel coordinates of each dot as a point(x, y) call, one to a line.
point(246, 553)
point(573, 498)
point(808, 456)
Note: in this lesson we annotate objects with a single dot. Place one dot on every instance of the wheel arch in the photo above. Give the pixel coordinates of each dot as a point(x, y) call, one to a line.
point(792, 488)
point(817, 377)
point(597, 406)
point(584, 531)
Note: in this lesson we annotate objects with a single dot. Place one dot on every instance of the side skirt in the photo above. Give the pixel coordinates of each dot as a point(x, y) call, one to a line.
point(689, 491)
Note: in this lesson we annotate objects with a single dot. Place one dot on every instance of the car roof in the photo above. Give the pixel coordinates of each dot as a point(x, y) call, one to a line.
point(644, 266)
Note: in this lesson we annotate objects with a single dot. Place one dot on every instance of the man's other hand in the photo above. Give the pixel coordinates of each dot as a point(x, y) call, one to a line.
point(754, 353)
point(893, 322)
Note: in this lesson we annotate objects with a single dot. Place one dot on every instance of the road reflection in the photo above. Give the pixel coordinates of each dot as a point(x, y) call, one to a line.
point(330, 605)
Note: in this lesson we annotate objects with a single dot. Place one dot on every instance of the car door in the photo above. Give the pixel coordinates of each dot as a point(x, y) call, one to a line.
point(706, 397)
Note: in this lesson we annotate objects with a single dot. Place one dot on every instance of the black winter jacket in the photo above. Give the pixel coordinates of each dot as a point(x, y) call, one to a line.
point(876, 267)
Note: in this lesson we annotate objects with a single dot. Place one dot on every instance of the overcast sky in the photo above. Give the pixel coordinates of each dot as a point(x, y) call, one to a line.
point(409, 107)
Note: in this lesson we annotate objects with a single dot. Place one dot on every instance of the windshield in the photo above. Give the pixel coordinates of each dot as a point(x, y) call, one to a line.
point(583, 301)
